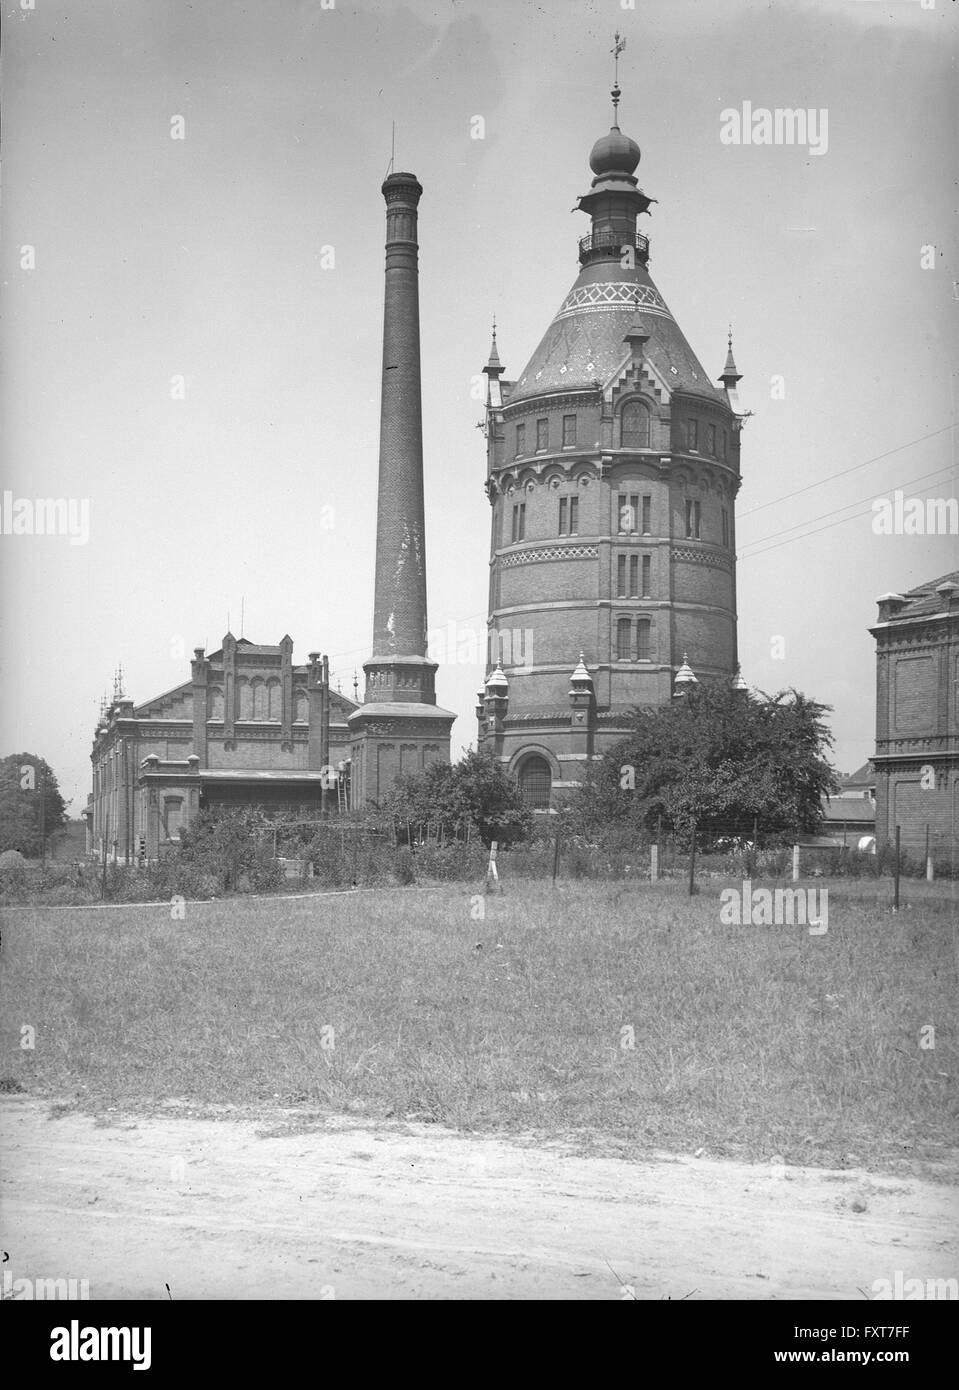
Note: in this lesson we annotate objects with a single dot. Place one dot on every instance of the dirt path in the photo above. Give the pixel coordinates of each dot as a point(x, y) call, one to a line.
point(242, 1208)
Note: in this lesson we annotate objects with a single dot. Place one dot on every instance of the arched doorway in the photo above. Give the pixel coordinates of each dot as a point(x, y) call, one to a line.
point(535, 782)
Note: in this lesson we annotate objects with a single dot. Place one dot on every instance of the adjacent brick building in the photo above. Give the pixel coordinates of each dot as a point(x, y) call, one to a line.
point(249, 728)
point(612, 475)
point(917, 717)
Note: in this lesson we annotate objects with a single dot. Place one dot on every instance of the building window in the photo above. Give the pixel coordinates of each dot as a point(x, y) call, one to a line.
point(634, 576)
point(520, 440)
point(574, 516)
point(647, 515)
point(623, 626)
point(172, 816)
point(542, 435)
point(569, 431)
point(692, 434)
point(563, 511)
point(535, 781)
point(725, 445)
point(642, 640)
point(647, 570)
point(711, 440)
point(634, 426)
point(519, 522)
point(725, 527)
point(620, 576)
point(628, 508)
point(692, 519)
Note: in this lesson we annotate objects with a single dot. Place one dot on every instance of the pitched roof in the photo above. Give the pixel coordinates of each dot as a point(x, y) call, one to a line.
point(584, 345)
point(924, 599)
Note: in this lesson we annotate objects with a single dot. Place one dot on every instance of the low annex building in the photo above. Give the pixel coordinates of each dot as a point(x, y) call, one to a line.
point(249, 728)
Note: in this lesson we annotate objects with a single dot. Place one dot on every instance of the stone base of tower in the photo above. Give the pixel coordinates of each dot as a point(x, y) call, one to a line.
point(392, 740)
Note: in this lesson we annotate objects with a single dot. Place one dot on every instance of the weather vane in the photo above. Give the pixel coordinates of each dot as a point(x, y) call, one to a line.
point(617, 48)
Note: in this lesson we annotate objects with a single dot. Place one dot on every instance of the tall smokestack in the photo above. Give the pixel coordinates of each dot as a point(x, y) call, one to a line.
point(399, 606)
point(399, 729)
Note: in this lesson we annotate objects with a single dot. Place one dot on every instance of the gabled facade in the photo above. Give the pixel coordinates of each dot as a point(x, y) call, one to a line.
point(612, 475)
point(917, 717)
point(250, 728)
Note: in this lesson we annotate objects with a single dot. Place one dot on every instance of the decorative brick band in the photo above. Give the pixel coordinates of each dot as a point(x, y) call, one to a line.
point(613, 295)
point(714, 559)
point(549, 552)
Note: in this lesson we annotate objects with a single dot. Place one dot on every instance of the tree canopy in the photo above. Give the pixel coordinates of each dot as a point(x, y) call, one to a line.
point(24, 779)
point(452, 794)
point(721, 758)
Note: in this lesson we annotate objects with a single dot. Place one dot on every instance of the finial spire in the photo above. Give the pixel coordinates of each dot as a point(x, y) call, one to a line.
point(618, 46)
point(494, 361)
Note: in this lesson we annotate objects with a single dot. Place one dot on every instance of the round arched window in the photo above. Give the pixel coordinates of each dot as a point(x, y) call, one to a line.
point(535, 781)
point(634, 426)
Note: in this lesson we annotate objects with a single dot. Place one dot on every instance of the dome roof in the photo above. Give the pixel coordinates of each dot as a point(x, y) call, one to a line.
point(584, 345)
point(614, 152)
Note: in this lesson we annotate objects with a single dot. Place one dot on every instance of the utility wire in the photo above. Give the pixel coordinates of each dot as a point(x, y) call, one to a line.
point(856, 466)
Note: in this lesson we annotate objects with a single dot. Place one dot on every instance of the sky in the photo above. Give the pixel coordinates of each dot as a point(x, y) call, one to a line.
point(183, 352)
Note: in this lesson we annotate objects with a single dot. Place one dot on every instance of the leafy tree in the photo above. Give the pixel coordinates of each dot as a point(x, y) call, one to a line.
point(25, 778)
point(720, 758)
point(232, 846)
point(474, 789)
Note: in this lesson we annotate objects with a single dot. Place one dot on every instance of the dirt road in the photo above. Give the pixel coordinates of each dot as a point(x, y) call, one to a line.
point(249, 1207)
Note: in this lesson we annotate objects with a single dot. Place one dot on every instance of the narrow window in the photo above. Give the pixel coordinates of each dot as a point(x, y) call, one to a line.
point(634, 576)
point(574, 516)
point(520, 440)
point(563, 506)
point(725, 445)
point(515, 527)
point(642, 639)
point(633, 511)
point(542, 434)
point(622, 507)
point(622, 639)
point(569, 431)
point(522, 521)
point(634, 426)
point(725, 527)
point(692, 434)
point(696, 512)
point(647, 515)
point(647, 569)
point(621, 576)
point(711, 440)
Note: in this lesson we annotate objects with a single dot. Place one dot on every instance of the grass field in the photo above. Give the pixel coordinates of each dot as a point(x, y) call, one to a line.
point(745, 1040)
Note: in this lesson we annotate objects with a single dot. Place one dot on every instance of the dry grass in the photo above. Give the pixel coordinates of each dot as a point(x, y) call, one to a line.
point(748, 1040)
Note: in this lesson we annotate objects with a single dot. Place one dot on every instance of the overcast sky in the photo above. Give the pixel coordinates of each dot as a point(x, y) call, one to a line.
point(202, 258)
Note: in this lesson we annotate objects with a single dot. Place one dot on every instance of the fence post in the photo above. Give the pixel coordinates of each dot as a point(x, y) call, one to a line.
point(491, 875)
point(895, 894)
point(795, 863)
point(930, 874)
point(556, 846)
point(692, 863)
point(654, 863)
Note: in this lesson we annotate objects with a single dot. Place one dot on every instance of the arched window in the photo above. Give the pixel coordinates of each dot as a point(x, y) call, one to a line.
point(622, 639)
point(634, 426)
point(302, 706)
point(274, 700)
point(246, 698)
point(642, 640)
point(216, 703)
point(535, 781)
point(259, 700)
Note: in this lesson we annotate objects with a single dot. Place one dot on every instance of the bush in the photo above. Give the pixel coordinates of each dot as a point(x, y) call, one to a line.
point(403, 866)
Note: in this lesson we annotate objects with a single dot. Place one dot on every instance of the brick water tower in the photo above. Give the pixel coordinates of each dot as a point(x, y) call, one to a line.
point(612, 475)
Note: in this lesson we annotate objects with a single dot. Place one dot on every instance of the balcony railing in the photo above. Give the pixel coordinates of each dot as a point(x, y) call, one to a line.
point(602, 246)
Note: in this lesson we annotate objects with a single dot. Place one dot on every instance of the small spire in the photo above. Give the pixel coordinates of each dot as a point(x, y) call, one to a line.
point(730, 375)
point(494, 361)
point(737, 683)
point(685, 678)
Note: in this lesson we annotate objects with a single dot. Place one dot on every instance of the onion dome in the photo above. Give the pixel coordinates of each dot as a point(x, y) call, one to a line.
point(614, 153)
